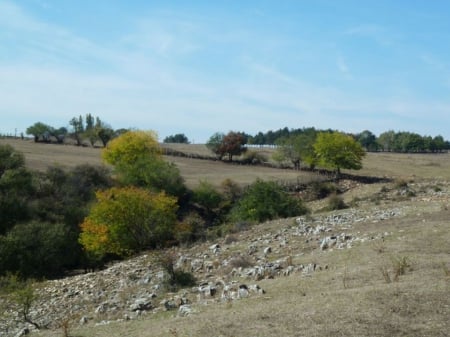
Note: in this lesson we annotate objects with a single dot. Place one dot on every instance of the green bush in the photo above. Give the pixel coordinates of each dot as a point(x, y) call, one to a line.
point(266, 200)
point(38, 250)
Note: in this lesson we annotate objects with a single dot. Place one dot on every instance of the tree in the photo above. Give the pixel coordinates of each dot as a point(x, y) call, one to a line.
point(296, 148)
point(77, 128)
point(339, 151)
point(39, 130)
point(231, 144)
point(128, 220)
point(137, 159)
point(368, 140)
point(214, 143)
point(177, 138)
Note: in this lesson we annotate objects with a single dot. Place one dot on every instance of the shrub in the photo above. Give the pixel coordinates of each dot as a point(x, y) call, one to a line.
point(38, 250)
point(265, 201)
point(128, 220)
point(336, 202)
point(175, 279)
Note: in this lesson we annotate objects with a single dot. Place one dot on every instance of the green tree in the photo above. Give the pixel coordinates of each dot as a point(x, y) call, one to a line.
point(209, 200)
point(296, 148)
point(177, 138)
point(77, 129)
point(339, 151)
point(128, 220)
point(368, 140)
point(39, 131)
point(266, 200)
point(214, 144)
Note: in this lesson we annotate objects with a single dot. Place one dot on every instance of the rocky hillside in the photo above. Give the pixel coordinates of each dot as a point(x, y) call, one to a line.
point(233, 268)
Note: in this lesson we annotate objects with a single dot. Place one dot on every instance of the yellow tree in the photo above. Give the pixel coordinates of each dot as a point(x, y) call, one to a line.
point(137, 159)
point(128, 220)
point(339, 151)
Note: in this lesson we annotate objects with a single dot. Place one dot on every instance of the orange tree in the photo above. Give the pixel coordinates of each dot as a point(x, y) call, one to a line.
point(127, 220)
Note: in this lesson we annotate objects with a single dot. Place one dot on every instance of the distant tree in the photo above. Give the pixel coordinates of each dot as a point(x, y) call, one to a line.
point(103, 131)
point(339, 151)
point(77, 129)
point(128, 220)
point(177, 138)
point(296, 148)
point(214, 144)
point(39, 131)
point(387, 140)
point(368, 140)
point(231, 144)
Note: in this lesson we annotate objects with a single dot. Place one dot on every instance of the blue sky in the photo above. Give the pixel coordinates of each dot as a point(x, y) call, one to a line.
point(197, 67)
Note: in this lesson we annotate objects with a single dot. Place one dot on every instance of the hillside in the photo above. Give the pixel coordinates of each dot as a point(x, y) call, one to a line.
point(378, 268)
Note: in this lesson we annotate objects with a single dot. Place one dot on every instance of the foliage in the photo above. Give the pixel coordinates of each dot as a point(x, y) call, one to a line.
point(338, 150)
point(266, 200)
point(367, 140)
point(214, 143)
point(39, 131)
point(297, 148)
point(231, 144)
point(77, 128)
point(208, 199)
point(131, 146)
point(15, 188)
point(38, 249)
point(128, 220)
point(177, 138)
point(137, 158)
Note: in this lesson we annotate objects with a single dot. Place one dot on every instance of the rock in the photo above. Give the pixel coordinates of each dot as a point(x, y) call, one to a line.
point(185, 310)
point(83, 320)
point(267, 250)
point(141, 304)
point(22, 332)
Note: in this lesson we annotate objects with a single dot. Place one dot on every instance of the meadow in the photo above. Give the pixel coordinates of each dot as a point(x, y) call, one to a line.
point(393, 281)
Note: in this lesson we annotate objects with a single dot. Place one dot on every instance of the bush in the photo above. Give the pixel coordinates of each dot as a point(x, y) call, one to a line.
point(336, 202)
point(38, 250)
point(320, 190)
point(128, 220)
point(265, 200)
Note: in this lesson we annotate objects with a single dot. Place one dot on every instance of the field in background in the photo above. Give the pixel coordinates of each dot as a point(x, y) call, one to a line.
point(394, 165)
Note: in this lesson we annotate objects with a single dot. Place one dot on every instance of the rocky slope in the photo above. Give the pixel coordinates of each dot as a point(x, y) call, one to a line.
point(227, 269)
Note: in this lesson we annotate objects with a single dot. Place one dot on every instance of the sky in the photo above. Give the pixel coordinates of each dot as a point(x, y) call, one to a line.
point(200, 67)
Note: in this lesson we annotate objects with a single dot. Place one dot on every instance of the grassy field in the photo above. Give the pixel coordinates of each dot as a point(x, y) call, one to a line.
point(353, 296)
point(401, 166)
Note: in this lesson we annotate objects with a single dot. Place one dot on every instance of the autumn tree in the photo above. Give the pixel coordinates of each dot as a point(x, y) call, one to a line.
point(339, 151)
point(127, 220)
point(137, 159)
point(231, 144)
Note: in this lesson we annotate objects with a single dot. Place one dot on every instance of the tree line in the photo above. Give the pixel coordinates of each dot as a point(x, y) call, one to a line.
point(390, 141)
point(81, 130)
